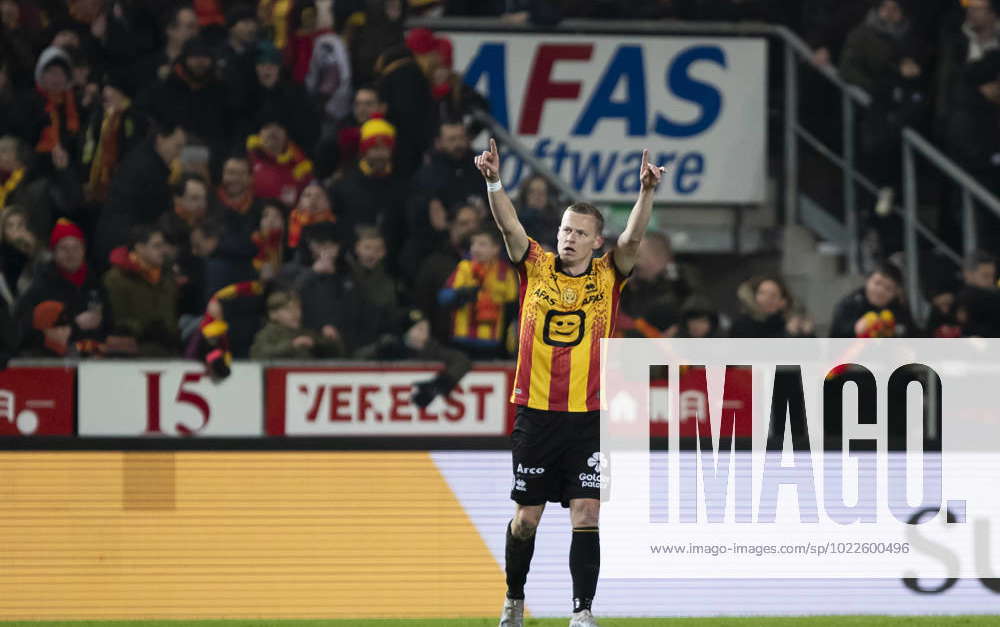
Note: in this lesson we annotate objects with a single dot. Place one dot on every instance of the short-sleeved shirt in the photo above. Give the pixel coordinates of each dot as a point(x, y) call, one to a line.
point(561, 322)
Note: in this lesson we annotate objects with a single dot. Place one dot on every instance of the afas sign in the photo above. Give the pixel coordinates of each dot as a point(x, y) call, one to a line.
point(589, 105)
point(339, 401)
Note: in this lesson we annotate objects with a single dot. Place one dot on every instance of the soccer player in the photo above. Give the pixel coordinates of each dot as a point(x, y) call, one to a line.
point(569, 301)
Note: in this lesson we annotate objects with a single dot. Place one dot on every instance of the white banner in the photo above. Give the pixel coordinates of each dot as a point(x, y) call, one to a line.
point(380, 403)
point(172, 398)
point(588, 106)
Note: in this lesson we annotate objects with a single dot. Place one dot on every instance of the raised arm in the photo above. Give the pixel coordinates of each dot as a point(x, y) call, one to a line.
point(514, 236)
point(638, 219)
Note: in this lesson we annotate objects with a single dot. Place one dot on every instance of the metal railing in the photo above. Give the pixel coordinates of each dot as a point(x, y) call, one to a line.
point(795, 54)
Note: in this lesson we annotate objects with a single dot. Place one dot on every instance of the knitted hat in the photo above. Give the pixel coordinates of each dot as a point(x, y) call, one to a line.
point(52, 55)
point(64, 228)
point(421, 41)
point(377, 130)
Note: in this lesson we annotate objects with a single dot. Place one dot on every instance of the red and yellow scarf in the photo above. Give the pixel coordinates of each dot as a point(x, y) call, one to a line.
point(105, 157)
point(52, 133)
point(10, 184)
point(302, 218)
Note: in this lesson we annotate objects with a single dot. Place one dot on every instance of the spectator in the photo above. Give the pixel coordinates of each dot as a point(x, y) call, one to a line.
point(372, 192)
point(237, 59)
point(280, 169)
point(53, 78)
point(269, 238)
point(17, 45)
point(44, 198)
point(193, 96)
point(283, 336)
point(332, 302)
point(450, 176)
point(369, 33)
point(880, 57)
point(226, 257)
point(19, 115)
point(413, 340)
point(652, 299)
point(769, 311)
point(282, 98)
point(21, 256)
point(875, 309)
point(481, 293)
point(338, 150)
point(235, 192)
point(406, 91)
point(454, 97)
point(368, 266)
point(181, 26)
point(977, 308)
point(190, 207)
point(537, 209)
point(313, 208)
point(140, 190)
point(826, 24)
point(435, 269)
point(699, 318)
point(63, 312)
point(143, 293)
point(114, 129)
point(329, 77)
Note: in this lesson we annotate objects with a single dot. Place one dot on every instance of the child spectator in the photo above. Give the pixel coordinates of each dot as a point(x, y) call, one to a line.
point(283, 336)
point(380, 288)
point(480, 292)
point(269, 238)
point(875, 309)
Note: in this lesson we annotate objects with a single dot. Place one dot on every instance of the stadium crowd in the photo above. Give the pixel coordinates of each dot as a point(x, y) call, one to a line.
point(294, 179)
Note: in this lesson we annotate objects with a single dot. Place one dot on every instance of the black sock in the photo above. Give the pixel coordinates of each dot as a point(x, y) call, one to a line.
point(518, 557)
point(584, 566)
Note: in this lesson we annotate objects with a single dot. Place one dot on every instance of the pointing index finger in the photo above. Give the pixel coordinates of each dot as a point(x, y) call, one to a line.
point(645, 158)
point(493, 146)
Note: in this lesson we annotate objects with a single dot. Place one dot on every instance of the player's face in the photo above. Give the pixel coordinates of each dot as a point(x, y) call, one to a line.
point(578, 237)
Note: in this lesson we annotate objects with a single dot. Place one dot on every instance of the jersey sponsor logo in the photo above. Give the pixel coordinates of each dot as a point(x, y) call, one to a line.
point(520, 485)
point(563, 328)
point(524, 470)
point(543, 294)
point(592, 298)
point(592, 480)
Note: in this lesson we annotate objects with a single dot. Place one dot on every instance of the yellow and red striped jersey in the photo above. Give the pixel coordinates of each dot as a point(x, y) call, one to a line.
point(561, 323)
point(483, 319)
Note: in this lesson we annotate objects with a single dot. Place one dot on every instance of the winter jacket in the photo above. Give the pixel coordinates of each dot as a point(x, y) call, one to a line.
point(140, 193)
point(360, 199)
point(50, 285)
point(274, 341)
point(755, 323)
point(337, 300)
point(201, 108)
point(855, 305)
point(46, 199)
point(380, 288)
point(409, 106)
point(141, 308)
point(873, 52)
point(281, 177)
point(658, 302)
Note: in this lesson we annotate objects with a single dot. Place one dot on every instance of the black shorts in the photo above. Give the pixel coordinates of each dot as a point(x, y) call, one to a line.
point(556, 456)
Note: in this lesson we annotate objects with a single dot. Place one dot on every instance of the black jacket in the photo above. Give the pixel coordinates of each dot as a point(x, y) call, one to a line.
point(855, 305)
point(140, 193)
point(377, 201)
point(409, 106)
point(336, 299)
point(50, 285)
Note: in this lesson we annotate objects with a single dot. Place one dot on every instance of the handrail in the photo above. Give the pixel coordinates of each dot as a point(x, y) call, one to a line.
point(949, 167)
point(522, 151)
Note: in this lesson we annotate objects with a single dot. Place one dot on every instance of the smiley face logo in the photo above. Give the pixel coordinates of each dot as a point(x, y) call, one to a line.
point(563, 328)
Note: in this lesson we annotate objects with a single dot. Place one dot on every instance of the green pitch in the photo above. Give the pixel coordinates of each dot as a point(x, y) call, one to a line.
point(811, 621)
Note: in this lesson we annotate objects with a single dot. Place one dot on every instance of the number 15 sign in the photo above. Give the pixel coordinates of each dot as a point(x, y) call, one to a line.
point(172, 399)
